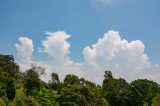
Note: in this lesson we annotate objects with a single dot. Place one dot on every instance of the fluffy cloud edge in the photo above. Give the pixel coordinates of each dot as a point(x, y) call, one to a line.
point(111, 52)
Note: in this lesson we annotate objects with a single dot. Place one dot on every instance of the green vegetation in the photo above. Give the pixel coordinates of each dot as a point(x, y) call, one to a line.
point(27, 89)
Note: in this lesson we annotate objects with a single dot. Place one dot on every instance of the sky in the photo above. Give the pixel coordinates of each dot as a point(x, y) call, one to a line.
point(83, 37)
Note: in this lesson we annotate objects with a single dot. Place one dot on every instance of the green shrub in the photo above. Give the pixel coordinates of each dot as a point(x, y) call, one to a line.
point(2, 102)
point(5, 99)
point(19, 103)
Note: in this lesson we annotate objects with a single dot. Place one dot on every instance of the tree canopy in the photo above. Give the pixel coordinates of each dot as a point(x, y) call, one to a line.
point(28, 89)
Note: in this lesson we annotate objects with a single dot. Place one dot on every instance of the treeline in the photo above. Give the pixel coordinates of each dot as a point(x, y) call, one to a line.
point(27, 89)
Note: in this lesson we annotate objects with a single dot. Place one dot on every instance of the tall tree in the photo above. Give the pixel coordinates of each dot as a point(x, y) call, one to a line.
point(146, 88)
point(8, 65)
point(108, 74)
point(9, 72)
point(80, 92)
point(31, 81)
point(113, 89)
point(55, 78)
point(54, 83)
point(71, 80)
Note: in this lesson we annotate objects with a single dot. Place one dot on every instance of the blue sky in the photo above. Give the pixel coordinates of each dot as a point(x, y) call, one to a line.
point(85, 20)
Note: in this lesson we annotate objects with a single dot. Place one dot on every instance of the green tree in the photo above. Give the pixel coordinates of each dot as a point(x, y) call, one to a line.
point(71, 80)
point(69, 96)
point(115, 90)
point(55, 78)
point(9, 67)
point(108, 74)
point(80, 95)
point(10, 89)
point(147, 89)
point(31, 81)
point(86, 82)
point(80, 92)
point(7, 87)
point(54, 83)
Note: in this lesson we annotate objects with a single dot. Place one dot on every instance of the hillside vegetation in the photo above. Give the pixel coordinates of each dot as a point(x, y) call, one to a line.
point(27, 89)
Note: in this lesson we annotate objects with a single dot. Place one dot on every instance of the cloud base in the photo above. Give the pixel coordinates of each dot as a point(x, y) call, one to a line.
point(111, 52)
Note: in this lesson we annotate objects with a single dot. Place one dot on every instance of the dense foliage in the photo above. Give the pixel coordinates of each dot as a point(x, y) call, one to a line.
point(27, 89)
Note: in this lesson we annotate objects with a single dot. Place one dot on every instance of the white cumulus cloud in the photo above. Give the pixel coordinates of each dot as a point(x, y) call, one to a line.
point(56, 46)
point(24, 52)
point(111, 52)
point(123, 58)
point(25, 48)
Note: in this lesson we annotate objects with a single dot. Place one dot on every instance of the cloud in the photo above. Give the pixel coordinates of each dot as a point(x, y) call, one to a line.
point(24, 51)
point(56, 46)
point(125, 59)
point(25, 48)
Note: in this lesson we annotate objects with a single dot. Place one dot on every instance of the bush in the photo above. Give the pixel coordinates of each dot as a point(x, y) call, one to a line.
point(2, 102)
point(45, 97)
point(5, 99)
point(31, 102)
point(19, 103)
